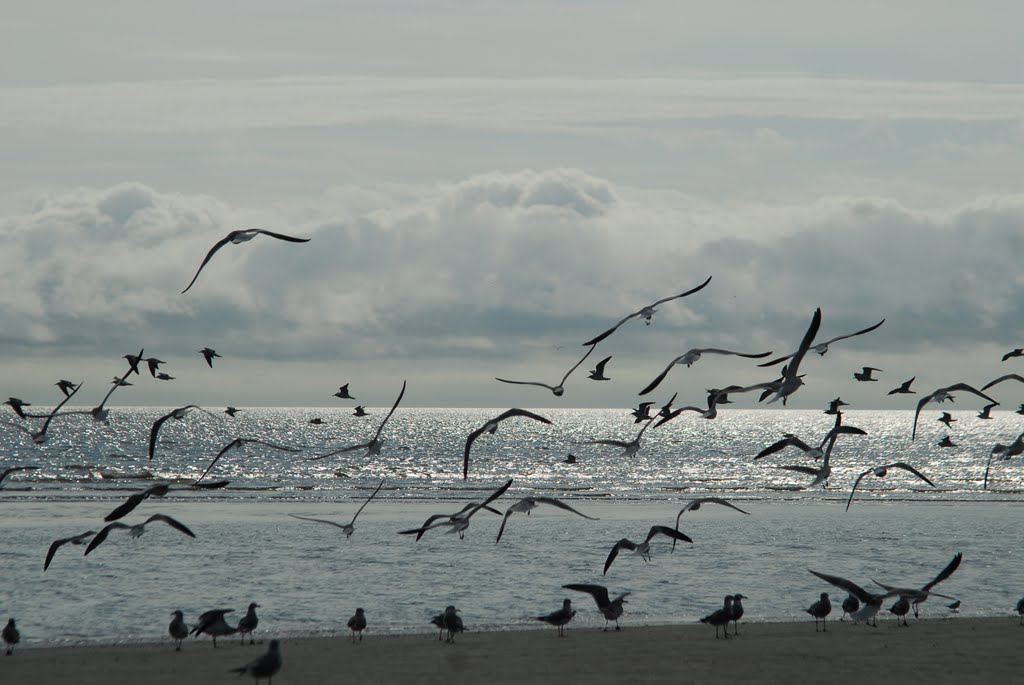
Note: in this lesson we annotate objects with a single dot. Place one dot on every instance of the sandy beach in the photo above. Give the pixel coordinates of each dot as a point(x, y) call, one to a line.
point(936, 651)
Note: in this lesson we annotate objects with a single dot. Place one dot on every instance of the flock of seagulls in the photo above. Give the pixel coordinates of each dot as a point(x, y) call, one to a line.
point(860, 604)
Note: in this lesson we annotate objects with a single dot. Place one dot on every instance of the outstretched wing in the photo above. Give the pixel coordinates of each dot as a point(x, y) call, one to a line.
point(173, 523)
point(209, 255)
point(946, 572)
point(281, 236)
point(850, 335)
point(851, 587)
point(624, 543)
point(368, 500)
point(393, 408)
point(598, 592)
point(1007, 377)
point(562, 505)
point(594, 341)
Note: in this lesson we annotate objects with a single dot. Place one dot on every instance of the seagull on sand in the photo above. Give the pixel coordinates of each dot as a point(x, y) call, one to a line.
point(611, 609)
point(79, 539)
point(643, 548)
point(820, 611)
point(822, 347)
point(357, 624)
point(239, 443)
point(248, 623)
point(850, 605)
point(213, 624)
point(176, 414)
point(791, 380)
point(491, 427)
point(265, 666)
point(918, 596)
point(881, 472)
point(208, 355)
point(737, 613)
point(904, 389)
point(900, 609)
point(375, 443)
point(346, 528)
point(646, 313)
point(14, 469)
point(689, 358)
point(598, 373)
point(1020, 610)
point(136, 530)
point(870, 602)
point(721, 617)
point(941, 395)
point(458, 522)
point(528, 503)
point(177, 629)
point(10, 635)
point(65, 386)
point(557, 390)
point(236, 237)
point(696, 504)
point(343, 393)
point(559, 618)
point(450, 621)
point(864, 375)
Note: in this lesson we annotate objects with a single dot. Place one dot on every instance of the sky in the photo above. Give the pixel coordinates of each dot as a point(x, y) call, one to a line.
point(487, 185)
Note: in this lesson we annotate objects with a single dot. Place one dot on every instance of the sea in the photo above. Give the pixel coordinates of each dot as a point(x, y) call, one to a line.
point(308, 578)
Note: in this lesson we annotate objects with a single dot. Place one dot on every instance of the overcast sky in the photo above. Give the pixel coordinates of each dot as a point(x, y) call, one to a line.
point(486, 185)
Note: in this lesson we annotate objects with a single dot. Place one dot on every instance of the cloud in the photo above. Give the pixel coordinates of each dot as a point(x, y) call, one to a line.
point(462, 281)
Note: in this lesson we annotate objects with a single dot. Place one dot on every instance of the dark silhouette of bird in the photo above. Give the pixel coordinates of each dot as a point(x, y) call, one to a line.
point(820, 611)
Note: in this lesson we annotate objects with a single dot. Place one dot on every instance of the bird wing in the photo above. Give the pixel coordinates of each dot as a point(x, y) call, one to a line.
point(660, 377)
point(156, 429)
point(598, 592)
point(781, 445)
point(281, 236)
point(368, 499)
point(237, 442)
point(773, 362)
point(599, 369)
point(127, 506)
point(209, 255)
point(1007, 377)
point(56, 544)
point(850, 335)
point(669, 532)
point(855, 484)
point(15, 469)
point(493, 496)
point(577, 365)
point(709, 500)
point(102, 535)
point(805, 344)
point(851, 587)
point(801, 469)
point(543, 385)
point(350, 448)
point(562, 505)
point(615, 443)
point(911, 469)
point(624, 543)
point(715, 350)
point(393, 408)
point(946, 572)
point(469, 444)
point(173, 523)
point(308, 518)
point(508, 512)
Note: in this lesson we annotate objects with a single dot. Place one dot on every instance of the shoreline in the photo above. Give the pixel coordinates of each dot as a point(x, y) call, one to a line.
point(934, 650)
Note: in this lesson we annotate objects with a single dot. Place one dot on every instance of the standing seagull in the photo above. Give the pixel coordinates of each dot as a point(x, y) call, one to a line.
point(491, 427)
point(904, 389)
point(598, 373)
point(248, 623)
point(372, 447)
point(452, 622)
point(266, 666)
point(881, 472)
point(528, 503)
point(347, 528)
point(822, 347)
point(864, 375)
point(643, 548)
point(208, 355)
point(646, 313)
point(689, 358)
point(720, 617)
point(237, 237)
point(177, 629)
point(213, 624)
point(820, 611)
point(11, 636)
point(357, 624)
point(556, 390)
point(559, 618)
point(611, 609)
point(941, 395)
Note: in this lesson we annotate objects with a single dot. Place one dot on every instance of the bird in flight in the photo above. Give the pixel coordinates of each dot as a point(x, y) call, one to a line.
point(375, 443)
point(491, 427)
point(646, 313)
point(346, 528)
point(237, 237)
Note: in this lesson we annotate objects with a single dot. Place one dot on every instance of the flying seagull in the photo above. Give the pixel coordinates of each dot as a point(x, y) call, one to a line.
point(372, 447)
point(611, 609)
point(237, 237)
point(822, 348)
point(791, 381)
point(557, 390)
point(689, 358)
point(39, 437)
point(208, 355)
point(1014, 449)
point(158, 490)
point(238, 443)
point(881, 472)
point(528, 503)
point(346, 528)
point(1018, 352)
point(79, 539)
point(941, 395)
point(14, 469)
point(815, 453)
point(904, 389)
point(65, 386)
point(136, 530)
point(343, 393)
point(177, 414)
point(459, 522)
point(643, 548)
point(864, 375)
point(491, 426)
point(646, 313)
point(630, 448)
point(598, 373)
point(696, 504)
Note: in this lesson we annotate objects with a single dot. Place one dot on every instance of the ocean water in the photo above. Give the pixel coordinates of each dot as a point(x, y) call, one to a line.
point(308, 578)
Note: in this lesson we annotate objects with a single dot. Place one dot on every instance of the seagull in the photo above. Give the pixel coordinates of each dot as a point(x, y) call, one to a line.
point(646, 313)
point(158, 490)
point(208, 355)
point(611, 609)
point(1019, 352)
point(629, 448)
point(904, 389)
point(871, 602)
point(881, 472)
point(696, 504)
point(815, 452)
point(559, 618)
point(164, 377)
point(822, 348)
point(236, 237)
point(820, 610)
point(834, 405)
point(821, 474)
point(14, 469)
point(736, 613)
point(10, 635)
point(689, 358)
point(1007, 377)
point(954, 607)
point(248, 623)
point(491, 427)
point(347, 528)
point(900, 610)
point(1020, 610)
point(598, 373)
point(864, 374)
point(791, 381)
point(459, 521)
point(528, 503)
point(714, 399)
point(239, 443)
point(177, 629)
point(136, 530)
point(133, 365)
point(643, 548)
point(372, 447)
point(265, 666)
point(1014, 449)
point(946, 442)
point(357, 624)
point(557, 390)
point(919, 596)
point(177, 414)
point(230, 411)
point(18, 406)
point(643, 411)
point(154, 365)
point(720, 617)
point(100, 412)
point(79, 539)
point(39, 437)
point(120, 382)
point(941, 395)
point(986, 411)
point(359, 411)
point(65, 386)
point(850, 605)
point(452, 622)
point(946, 418)
point(343, 393)
point(213, 624)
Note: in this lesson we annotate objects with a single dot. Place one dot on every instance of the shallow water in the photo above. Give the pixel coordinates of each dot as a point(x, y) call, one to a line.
point(309, 579)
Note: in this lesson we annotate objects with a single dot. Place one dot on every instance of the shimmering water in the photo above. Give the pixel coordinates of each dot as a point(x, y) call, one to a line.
point(309, 578)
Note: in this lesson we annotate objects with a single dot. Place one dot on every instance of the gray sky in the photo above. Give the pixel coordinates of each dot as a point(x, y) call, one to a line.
point(486, 185)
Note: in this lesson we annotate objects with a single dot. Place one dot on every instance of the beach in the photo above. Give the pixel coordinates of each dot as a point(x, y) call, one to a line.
point(934, 651)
